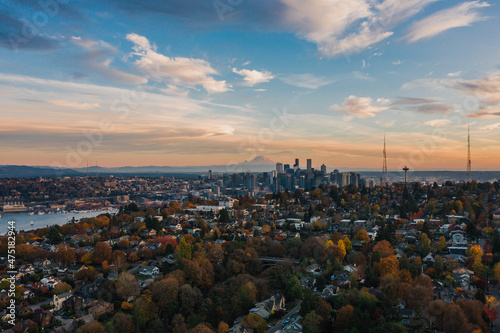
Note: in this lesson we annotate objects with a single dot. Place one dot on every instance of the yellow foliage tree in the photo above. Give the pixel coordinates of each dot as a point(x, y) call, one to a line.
point(474, 251)
point(389, 265)
point(362, 235)
point(126, 305)
point(348, 244)
point(342, 248)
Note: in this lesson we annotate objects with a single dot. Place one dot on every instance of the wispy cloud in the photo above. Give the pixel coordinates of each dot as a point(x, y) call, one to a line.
point(253, 77)
point(490, 127)
point(179, 70)
point(485, 113)
point(306, 80)
point(438, 122)
point(461, 15)
point(73, 105)
point(361, 107)
point(97, 57)
point(328, 23)
point(422, 105)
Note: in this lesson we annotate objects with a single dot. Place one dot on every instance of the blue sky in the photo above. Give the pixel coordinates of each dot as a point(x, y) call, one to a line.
point(200, 82)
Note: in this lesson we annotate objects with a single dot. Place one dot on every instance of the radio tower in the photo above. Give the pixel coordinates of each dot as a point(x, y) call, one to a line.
point(469, 168)
point(384, 167)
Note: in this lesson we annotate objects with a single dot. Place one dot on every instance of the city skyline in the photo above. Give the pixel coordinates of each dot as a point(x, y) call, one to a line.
point(193, 83)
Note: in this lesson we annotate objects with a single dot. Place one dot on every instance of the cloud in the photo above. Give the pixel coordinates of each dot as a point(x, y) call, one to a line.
point(73, 105)
point(385, 123)
point(486, 88)
point(306, 80)
point(461, 15)
point(329, 24)
point(490, 127)
point(179, 70)
point(485, 113)
point(253, 77)
point(437, 122)
point(423, 105)
point(361, 107)
point(397, 62)
point(455, 74)
point(97, 58)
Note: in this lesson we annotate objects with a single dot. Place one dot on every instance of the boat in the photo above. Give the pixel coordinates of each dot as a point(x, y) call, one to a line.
point(41, 213)
point(31, 213)
point(32, 223)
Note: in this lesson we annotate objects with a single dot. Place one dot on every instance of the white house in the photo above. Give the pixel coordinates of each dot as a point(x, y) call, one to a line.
point(58, 300)
point(149, 270)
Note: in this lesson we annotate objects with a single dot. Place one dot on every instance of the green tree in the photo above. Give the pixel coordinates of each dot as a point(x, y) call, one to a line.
point(309, 303)
point(293, 288)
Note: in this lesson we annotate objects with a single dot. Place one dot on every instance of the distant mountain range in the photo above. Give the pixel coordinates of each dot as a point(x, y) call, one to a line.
point(257, 164)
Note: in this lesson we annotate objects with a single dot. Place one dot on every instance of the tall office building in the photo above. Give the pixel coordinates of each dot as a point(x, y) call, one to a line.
point(309, 165)
point(279, 167)
point(323, 169)
point(296, 163)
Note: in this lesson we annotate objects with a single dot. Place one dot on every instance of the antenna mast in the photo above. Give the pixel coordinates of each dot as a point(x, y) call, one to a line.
point(384, 166)
point(469, 164)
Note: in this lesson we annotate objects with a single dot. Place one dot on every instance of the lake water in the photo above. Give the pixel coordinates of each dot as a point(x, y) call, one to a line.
point(40, 221)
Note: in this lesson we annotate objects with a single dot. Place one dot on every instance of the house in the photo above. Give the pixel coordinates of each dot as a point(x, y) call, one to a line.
point(428, 260)
point(74, 303)
point(25, 326)
point(313, 268)
point(50, 282)
point(261, 312)
point(273, 303)
point(148, 233)
point(406, 316)
point(90, 290)
point(75, 268)
point(101, 308)
point(149, 270)
point(44, 318)
point(58, 300)
point(307, 282)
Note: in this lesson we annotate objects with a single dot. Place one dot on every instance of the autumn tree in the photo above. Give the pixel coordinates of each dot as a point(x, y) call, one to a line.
point(425, 244)
point(61, 287)
point(441, 245)
point(474, 251)
point(384, 248)
point(343, 319)
point(127, 286)
point(347, 243)
point(255, 322)
point(122, 323)
point(92, 327)
point(102, 252)
point(362, 235)
point(388, 265)
point(223, 327)
point(312, 323)
point(66, 255)
point(420, 292)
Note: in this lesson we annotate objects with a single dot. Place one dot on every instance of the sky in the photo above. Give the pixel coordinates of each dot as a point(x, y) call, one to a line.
point(198, 82)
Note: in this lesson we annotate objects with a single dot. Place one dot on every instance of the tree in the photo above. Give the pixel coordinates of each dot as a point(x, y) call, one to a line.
point(200, 328)
point(61, 287)
point(454, 319)
point(293, 288)
point(255, 322)
point(362, 235)
point(385, 249)
point(66, 255)
point(441, 245)
point(343, 320)
point(145, 311)
point(102, 252)
point(122, 323)
point(420, 292)
point(309, 303)
point(348, 244)
point(312, 323)
point(127, 286)
point(388, 265)
point(474, 251)
point(425, 244)
point(184, 249)
point(436, 312)
point(223, 327)
point(165, 292)
point(178, 324)
point(92, 327)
